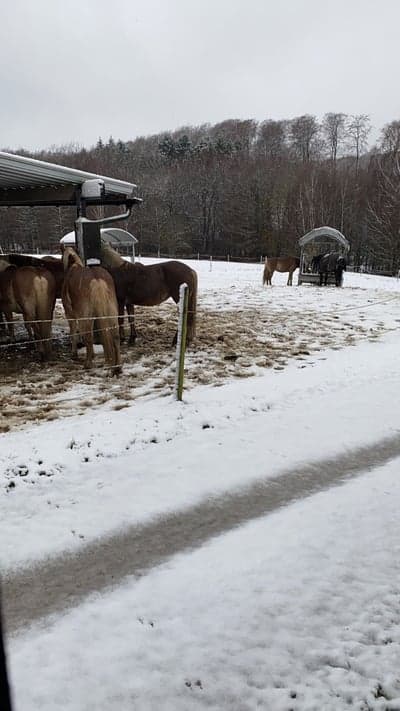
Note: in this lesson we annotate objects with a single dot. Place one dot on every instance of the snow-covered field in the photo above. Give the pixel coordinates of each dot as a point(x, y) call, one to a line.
point(285, 595)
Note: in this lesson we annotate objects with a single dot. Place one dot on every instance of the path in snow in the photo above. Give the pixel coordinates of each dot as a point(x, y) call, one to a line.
point(62, 582)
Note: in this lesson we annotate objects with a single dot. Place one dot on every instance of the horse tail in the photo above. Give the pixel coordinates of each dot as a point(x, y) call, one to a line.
point(110, 341)
point(106, 309)
point(45, 297)
point(192, 306)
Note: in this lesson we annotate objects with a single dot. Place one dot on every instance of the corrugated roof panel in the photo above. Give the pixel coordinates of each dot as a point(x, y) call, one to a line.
point(22, 173)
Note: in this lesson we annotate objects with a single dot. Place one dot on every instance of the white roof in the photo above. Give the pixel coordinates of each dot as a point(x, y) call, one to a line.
point(321, 232)
point(113, 235)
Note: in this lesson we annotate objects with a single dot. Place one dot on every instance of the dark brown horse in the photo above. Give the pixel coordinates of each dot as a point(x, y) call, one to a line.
point(332, 263)
point(139, 285)
point(88, 293)
point(32, 292)
point(280, 264)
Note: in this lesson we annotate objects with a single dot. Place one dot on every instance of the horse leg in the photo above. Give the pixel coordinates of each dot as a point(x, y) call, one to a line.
point(87, 326)
point(289, 281)
point(121, 307)
point(10, 325)
point(131, 320)
point(73, 331)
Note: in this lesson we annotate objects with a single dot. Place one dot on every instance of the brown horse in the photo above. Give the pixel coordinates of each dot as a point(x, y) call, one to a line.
point(88, 293)
point(280, 264)
point(32, 292)
point(139, 285)
point(52, 264)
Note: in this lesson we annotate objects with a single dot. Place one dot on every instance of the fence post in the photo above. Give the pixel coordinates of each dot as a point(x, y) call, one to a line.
point(181, 339)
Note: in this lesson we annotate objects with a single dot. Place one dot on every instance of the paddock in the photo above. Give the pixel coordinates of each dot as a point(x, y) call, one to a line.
point(241, 332)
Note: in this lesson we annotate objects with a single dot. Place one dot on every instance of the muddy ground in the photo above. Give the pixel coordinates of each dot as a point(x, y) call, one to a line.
point(229, 343)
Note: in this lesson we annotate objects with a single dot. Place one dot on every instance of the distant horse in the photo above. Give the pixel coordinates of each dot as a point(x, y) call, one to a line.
point(88, 293)
point(335, 263)
point(315, 263)
point(280, 264)
point(32, 292)
point(52, 264)
point(139, 285)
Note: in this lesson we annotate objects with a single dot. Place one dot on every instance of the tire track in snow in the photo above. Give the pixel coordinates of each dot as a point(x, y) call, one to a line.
point(57, 584)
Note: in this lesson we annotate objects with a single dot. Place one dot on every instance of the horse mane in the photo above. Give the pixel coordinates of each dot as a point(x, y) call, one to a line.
point(110, 257)
point(70, 258)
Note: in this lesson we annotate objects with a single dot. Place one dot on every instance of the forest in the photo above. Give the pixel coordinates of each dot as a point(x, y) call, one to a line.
point(241, 188)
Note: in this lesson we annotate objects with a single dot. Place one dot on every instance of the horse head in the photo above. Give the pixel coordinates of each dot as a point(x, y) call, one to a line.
point(70, 258)
point(109, 257)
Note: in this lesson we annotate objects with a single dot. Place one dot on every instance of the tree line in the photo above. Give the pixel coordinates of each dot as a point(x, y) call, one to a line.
point(242, 188)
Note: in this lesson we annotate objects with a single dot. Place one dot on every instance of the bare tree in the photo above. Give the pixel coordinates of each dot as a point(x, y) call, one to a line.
point(357, 131)
point(271, 140)
point(384, 208)
point(333, 129)
point(390, 138)
point(304, 131)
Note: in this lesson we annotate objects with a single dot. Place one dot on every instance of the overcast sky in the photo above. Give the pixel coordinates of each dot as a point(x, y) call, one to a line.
point(74, 70)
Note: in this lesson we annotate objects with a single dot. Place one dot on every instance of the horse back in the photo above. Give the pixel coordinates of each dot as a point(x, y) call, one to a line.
point(85, 288)
point(281, 264)
point(149, 285)
point(37, 282)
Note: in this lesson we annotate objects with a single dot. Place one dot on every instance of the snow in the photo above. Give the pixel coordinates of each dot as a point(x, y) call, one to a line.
point(295, 609)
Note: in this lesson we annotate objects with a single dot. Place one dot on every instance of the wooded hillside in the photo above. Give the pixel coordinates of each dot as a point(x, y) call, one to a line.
point(243, 188)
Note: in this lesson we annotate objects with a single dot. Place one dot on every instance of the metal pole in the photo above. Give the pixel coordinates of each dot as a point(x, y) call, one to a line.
point(181, 339)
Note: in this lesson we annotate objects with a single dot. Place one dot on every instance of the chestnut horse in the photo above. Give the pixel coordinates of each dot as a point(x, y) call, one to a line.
point(32, 292)
point(280, 264)
point(88, 293)
point(139, 285)
point(52, 264)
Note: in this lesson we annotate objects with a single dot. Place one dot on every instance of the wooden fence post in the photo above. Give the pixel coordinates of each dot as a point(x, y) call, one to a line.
point(181, 339)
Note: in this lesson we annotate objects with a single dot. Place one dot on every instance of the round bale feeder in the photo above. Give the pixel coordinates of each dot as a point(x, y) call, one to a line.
point(319, 241)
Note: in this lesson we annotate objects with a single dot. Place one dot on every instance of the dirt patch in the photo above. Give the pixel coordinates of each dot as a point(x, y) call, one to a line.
point(229, 343)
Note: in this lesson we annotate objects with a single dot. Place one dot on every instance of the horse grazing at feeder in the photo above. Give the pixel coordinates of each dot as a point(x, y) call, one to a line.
point(280, 264)
point(335, 263)
point(52, 264)
point(32, 292)
point(315, 262)
point(139, 285)
point(88, 293)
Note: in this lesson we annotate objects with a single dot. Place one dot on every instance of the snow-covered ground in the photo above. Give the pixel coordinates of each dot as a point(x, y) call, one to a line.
point(297, 609)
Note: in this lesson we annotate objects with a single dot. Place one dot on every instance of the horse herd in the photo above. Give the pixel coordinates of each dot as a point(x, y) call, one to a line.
point(94, 298)
point(322, 264)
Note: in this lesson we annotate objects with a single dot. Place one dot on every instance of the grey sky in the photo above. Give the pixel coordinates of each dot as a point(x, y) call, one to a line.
point(73, 71)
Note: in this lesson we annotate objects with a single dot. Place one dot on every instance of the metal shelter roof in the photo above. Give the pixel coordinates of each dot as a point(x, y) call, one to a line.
point(323, 232)
point(113, 235)
point(27, 181)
